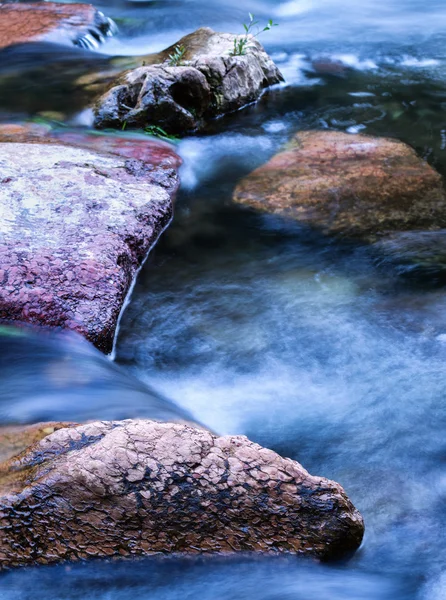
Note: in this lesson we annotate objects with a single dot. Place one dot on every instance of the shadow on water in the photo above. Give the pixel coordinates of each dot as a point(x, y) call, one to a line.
point(44, 76)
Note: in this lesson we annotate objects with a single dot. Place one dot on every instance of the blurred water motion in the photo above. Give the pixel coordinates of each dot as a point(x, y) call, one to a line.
point(59, 376)
point(217, 578)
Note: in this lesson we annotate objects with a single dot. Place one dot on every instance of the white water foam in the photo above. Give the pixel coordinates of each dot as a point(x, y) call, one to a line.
point(294, 7)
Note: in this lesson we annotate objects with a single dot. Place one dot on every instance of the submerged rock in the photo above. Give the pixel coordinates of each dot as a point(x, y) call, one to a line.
point(38, 77)
point(135, 487)
point(79, 24)
point(76, 224)
point(208, 82)
point(349, 185)
point(414, 255)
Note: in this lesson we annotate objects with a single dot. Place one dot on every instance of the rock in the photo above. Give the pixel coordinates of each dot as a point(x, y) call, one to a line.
point(208, 83)
point(76, 224)
point(414, 255)
point(79, 24)
point(326, 65)
point(27, 132)
point(16, 438)
point(135, 487)
point(348, 185)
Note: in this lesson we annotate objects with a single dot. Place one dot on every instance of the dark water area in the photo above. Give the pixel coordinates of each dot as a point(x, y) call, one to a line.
point(329, 352)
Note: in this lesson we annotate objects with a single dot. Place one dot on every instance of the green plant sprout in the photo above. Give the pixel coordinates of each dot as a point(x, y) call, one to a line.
point(176, 58)
point(159, 132)
point(243, 43)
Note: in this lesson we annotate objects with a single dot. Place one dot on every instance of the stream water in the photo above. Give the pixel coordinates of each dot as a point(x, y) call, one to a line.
point(327, 352)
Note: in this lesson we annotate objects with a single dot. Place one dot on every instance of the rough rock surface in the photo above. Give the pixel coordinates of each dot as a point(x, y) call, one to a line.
point(79, 24)
point(76, 224)
point(16, 438)
point(209, 82)
point(134, 487)
point(349, 185)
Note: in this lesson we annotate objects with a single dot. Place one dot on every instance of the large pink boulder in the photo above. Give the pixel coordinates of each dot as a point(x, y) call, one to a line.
point(76, 224)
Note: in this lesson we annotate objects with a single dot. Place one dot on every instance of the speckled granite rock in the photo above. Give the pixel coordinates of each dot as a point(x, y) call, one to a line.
point(209, 82)
point(348, 185)
point(76, 224)
point(79, 24)
point(136, 487)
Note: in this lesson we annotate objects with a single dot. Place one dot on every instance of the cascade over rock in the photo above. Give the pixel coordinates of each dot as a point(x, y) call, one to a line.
point(79, 24)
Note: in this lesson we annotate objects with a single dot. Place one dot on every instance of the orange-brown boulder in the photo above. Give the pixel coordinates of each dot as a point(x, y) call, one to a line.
point(349, 185)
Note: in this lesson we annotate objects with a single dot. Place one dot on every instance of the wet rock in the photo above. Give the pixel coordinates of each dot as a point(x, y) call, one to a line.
point(414, 255)
point(16, 438)
point(76, 224)
point(326, 65)
point(135, 487)
point(209, 82)
point(27, 132)
point(79, 24)
point(348, 185)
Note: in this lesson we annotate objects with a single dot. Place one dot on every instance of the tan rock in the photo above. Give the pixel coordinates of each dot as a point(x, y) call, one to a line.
point(15, 438)
point(348, 185)
point(137, 487)
point(208, 82)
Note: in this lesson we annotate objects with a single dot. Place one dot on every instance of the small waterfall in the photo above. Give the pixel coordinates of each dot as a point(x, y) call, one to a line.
point(104, 28)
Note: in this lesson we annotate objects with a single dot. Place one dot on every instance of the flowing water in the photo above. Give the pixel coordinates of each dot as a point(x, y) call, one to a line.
point(331, 353)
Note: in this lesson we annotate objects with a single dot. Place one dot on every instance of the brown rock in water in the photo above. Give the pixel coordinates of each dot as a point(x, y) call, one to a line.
point(137, 487)
point(349, 185)
point(78, 24)
point(76, 224)
point(16, 438)
point(207, 83)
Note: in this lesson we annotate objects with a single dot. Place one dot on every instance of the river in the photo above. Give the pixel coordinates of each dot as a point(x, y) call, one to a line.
point(323, 351)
